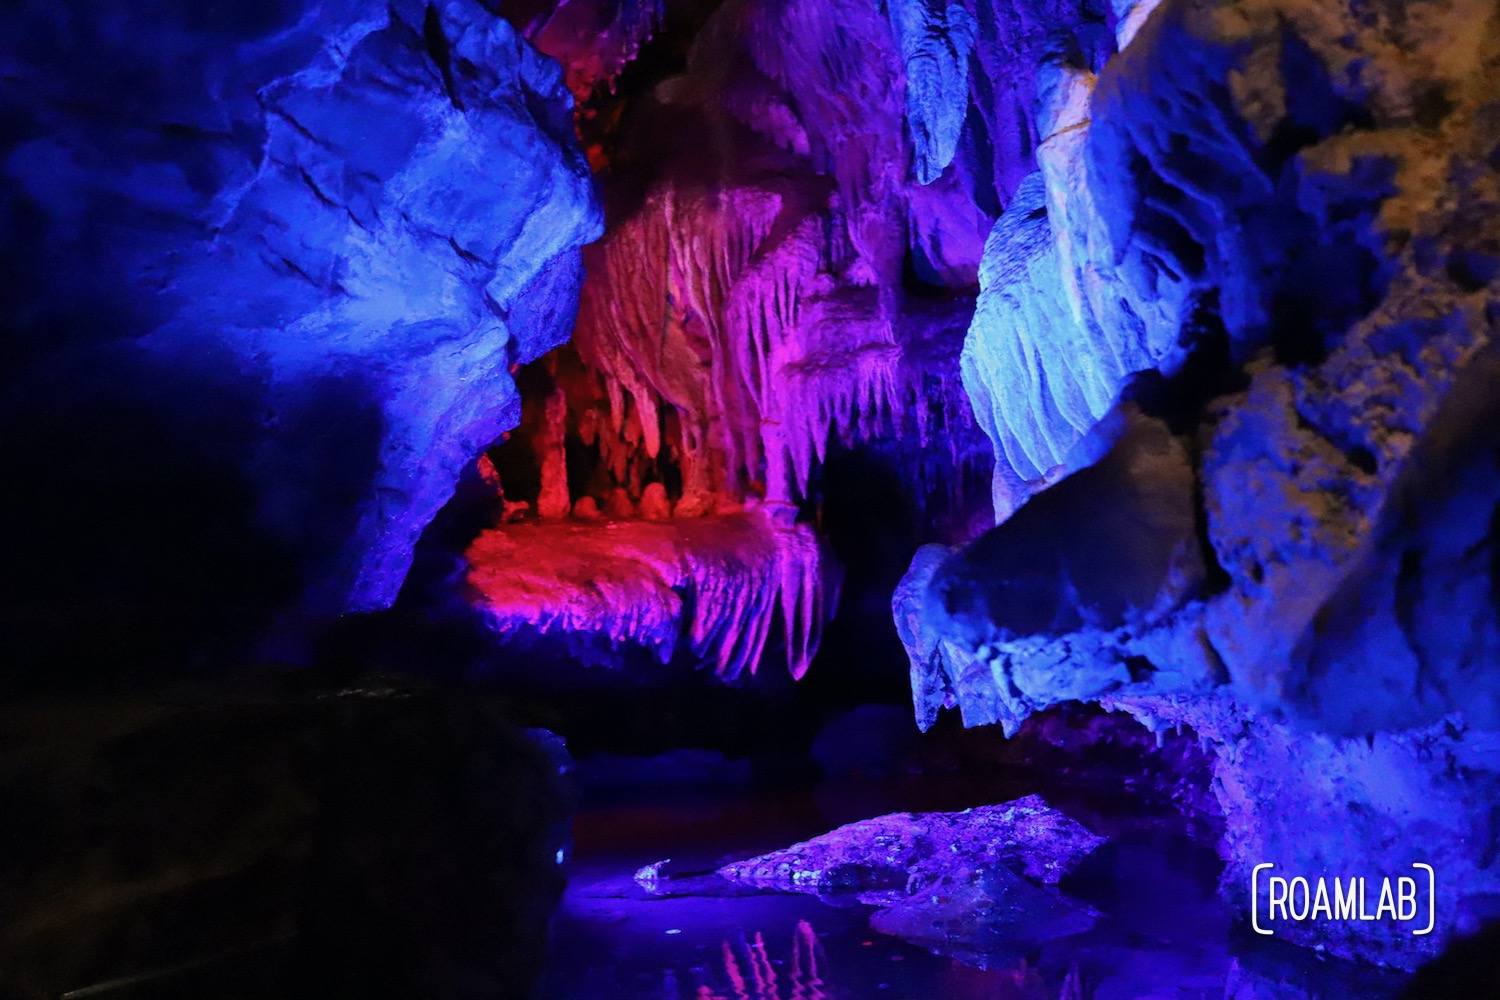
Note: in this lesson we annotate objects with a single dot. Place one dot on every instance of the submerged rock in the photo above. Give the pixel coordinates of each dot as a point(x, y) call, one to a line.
point(979, 917)
point(960, 883)
point(649, 877)
point(1026, 835)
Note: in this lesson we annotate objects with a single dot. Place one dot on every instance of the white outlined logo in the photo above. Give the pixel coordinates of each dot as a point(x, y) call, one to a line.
point(1325, 900)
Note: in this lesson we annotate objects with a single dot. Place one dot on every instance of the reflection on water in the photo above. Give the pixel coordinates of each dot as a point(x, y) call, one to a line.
point(1023, 982)
point(752, 974)
point(1163, 931)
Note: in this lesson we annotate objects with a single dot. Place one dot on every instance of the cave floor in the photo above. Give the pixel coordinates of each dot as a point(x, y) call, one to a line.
point(1162, 930)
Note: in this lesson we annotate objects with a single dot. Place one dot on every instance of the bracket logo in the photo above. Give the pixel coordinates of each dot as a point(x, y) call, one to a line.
point(1325, 900)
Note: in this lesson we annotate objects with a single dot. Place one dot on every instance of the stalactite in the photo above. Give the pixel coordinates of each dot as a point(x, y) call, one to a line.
point(710, 587)
point(745, 311)
point(594, 51)
point(730, 304)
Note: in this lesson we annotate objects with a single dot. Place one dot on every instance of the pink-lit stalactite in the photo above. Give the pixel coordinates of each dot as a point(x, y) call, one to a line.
point(712, 585)
point(732, 321)
point(760, 305)
point(745, 309)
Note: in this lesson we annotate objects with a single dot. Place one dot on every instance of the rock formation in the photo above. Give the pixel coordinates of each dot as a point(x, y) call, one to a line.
point(1207, 290)
point(714, 586)
point(890, 853)
point(744, 313)
point(1310, 201)
point(988, 870)
point(276, 271)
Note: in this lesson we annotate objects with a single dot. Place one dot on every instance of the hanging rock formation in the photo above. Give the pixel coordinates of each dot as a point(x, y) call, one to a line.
point(745, 310)
point(750, 292)
point(709, 586)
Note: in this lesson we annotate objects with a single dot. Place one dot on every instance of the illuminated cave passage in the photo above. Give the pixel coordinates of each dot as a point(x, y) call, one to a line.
point(766, 499)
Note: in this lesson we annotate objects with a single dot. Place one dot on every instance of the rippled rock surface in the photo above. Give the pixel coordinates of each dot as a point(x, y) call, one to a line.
point(1026, 835)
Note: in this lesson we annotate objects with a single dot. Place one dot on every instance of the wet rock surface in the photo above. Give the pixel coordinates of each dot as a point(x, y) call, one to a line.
point(959, 883)
point(1026, 835)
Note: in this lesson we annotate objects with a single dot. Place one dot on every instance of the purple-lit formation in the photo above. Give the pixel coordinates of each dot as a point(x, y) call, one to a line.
point(958, 883)
point(1138, 356)
point(898, 855)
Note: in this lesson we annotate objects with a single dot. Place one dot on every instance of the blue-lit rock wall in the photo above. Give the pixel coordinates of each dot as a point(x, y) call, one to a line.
point(936, 41)
point(972, 82)
point(1040, 371)
point(1059, 326)
point(1302, 215)
point(268, 269)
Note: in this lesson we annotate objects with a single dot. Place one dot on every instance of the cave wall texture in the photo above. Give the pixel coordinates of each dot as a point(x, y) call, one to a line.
point(1281, 535)
point(268, 271)
point(1206, 288)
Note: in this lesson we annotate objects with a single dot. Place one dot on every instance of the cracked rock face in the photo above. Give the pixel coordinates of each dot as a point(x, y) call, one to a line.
point(1409, 634)
point(310, 245)
point(1311, 204)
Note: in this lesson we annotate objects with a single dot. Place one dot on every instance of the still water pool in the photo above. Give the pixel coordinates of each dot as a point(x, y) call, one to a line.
point(1161, 930)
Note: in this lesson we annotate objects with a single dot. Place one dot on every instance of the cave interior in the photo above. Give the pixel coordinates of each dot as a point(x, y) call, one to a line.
point(750, 499)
